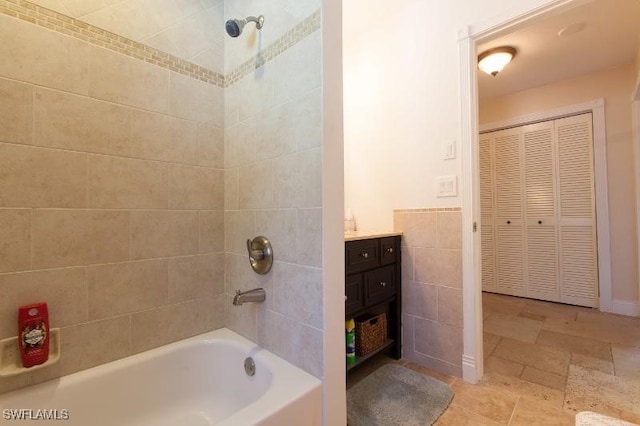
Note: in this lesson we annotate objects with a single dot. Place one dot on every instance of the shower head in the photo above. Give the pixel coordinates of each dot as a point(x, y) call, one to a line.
point(234, 26)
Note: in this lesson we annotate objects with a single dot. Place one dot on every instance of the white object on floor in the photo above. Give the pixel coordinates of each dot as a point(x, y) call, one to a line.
point(589, 418)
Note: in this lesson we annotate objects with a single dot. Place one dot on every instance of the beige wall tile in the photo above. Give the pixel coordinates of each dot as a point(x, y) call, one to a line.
point(420, 300)
point(78, 123)
point(196, 100)
point(309, 243)
point(16, 110)
point(307, 126)
point(158, 327)
point(211, 231)
point(15, 237)
point(38, 177)
point(195, 277)
point(256, 186)
point(242, 319)
point(87, 345)
point(123, 80)
point(64, 290)
point(441, 341)
point(440, 267)
point(238, 142)
point(444, 367)
point(126, 183)
point(163, 233)
point(231, 272)
point(418, 229)
point(210, 146)
point(79, 237)
point(239, 225)
point(194, 188)
point(450, 306)
point(303, 67)
point(231, 193)
point(213, 311)
point(408, 261)
point(163, 138)
point(122, 288)
point(450, 230)
point(280, 227)
point(298, 293)
point(298, 179)
point(36, 55)
point(275, 333)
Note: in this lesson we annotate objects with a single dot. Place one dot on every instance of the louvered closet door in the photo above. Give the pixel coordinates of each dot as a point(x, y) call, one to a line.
point(577, 219)
point(509, 230)
point(487, 237)
point(540, 212)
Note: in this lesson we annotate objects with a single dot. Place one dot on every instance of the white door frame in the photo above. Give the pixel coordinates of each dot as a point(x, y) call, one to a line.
point(635, 123)
point(468, 39)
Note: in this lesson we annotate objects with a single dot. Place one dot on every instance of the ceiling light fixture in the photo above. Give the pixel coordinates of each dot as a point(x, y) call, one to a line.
point(494, 60)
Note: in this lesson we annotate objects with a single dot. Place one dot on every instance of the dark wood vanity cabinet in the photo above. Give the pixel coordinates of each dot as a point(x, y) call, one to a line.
point(373, 286)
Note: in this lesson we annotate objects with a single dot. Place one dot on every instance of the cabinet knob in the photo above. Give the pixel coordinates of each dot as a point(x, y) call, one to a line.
point(539, 222)
point(345, 297)
point(508, 222)
point(364, 254)
point(390, 250)
point(383, 284)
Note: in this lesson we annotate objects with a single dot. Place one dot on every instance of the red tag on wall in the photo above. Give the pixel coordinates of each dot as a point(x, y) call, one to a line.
point(33, 334)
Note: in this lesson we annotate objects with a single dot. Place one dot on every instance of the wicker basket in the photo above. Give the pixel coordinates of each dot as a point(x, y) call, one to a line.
point(371, 333)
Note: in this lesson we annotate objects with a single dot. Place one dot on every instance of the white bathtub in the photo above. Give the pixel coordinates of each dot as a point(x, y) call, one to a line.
point(197, 381)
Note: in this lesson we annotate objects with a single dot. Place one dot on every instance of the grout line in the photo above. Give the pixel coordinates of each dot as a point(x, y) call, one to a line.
point(515, 407)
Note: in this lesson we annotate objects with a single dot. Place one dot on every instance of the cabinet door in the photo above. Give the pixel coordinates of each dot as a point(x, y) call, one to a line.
point(362, 255)
point(353, 293)
point(540, 208)
point(577, 227)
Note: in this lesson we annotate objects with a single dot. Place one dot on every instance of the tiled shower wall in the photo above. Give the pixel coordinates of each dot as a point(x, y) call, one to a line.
point(432, 287)
point(273, 187)
point(111, 197)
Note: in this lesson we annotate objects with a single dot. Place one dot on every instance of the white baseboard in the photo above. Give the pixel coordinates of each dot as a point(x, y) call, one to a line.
point(625, 307)
point(469, 369)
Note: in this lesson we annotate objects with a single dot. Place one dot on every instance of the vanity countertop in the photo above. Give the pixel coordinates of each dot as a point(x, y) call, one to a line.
point(364, 235)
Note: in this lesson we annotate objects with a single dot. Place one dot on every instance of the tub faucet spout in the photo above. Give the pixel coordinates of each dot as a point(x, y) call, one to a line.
point(256, 295)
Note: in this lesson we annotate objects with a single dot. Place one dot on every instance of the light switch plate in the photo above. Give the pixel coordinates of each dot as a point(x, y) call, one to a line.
point(449, 151)
point(447, 186)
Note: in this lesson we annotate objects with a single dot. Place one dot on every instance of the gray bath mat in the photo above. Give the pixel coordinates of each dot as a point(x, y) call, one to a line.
point(395, 395)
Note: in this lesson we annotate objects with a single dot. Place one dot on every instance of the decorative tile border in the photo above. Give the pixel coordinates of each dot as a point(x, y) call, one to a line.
point(429, 210)
point(41, 16)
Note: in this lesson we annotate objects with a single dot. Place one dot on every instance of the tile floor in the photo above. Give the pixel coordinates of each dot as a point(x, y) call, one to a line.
point(544, 362)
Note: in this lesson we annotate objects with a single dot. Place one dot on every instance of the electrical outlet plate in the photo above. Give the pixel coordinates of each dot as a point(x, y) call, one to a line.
point(447, 186)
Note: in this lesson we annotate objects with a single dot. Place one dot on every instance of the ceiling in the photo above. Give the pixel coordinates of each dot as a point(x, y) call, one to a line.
point(609, 38)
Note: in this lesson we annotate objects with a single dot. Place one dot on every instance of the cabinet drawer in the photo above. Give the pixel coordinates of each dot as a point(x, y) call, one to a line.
point(353, 292)
point(389, 250)
point(379, 284)
point(361, 255)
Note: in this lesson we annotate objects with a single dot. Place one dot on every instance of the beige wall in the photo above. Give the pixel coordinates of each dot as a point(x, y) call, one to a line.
point(615, 86)
point(273, 174)
point(111, 198)
point(432, 287)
